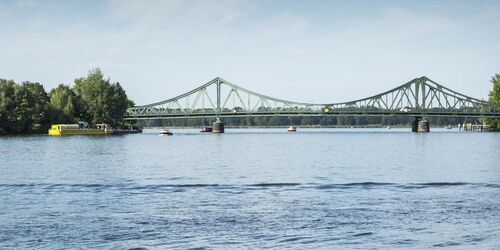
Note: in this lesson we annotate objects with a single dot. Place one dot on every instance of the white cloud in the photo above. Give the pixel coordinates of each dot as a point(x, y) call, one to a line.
point(161, 14)
point(161, 43)
point(27, 3)
point(395, 25)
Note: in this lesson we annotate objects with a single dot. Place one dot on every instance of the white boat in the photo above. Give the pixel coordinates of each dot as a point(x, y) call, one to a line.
point(206, 129)
point(165, 131)
point(292, 129)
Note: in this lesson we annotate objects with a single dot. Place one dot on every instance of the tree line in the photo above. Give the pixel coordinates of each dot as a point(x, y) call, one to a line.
point(27, 108)
point(326, 121)
point(494, 97)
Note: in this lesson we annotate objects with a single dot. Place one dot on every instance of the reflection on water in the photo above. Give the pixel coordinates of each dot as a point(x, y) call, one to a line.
point(252, 188)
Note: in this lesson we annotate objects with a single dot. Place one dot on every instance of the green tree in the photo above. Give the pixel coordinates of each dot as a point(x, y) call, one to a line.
point(494, 98)
point(63, 104)
point(345, 120)
point(101, 100)
point(7, 105)
point(306, 120)
point(328, 120)
point(31, 111)
point(361, 120)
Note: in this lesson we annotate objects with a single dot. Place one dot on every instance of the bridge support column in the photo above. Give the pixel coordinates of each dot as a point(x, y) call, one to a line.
point(420, 125)
point(423, 126)
point(218, 127)
point(414, 125)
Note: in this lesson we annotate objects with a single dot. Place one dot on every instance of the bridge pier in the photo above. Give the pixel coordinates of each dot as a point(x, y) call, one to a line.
point(218, 127)
point(414, 125)
point(420, 125)
point(423, 126)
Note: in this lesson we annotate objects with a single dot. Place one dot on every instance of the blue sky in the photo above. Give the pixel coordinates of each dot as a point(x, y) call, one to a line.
point(311, 51)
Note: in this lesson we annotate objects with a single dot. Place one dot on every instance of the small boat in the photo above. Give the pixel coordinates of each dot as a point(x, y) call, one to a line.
point(292, 129)
point(206, 129)
point(165, 131)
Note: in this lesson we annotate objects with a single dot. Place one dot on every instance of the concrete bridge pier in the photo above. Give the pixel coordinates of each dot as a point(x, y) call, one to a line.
point(414, 125)
point(218, 127)
point(420, 125)
point(423, 126)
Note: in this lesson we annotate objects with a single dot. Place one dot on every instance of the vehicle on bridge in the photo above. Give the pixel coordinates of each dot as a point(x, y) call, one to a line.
point(406, 109)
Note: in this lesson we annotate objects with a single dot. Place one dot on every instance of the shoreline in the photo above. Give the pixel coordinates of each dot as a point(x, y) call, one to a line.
point(120, 132)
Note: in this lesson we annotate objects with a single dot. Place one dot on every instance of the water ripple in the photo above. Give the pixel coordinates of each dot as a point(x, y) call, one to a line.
point(184, 186)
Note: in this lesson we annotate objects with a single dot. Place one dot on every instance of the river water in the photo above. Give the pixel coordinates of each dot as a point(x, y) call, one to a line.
point(252, 188)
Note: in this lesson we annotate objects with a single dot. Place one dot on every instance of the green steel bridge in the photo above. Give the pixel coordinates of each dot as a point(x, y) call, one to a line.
point(218, 98)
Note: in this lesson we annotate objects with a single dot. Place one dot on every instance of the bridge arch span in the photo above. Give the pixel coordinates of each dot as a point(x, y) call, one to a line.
point(221, 98)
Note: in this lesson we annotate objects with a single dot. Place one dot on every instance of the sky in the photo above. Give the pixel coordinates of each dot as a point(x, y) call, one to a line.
point(307, 51)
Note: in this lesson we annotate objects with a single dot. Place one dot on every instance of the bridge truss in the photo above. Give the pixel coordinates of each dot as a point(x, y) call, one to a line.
point(221, 98)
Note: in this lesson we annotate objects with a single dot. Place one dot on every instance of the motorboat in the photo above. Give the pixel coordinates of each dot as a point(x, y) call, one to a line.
point(165, 131)
point(292, 129)
point(206, 129)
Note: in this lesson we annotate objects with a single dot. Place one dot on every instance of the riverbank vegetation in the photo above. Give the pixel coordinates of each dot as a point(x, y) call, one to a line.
point(325, 121)
point(494, 95)
point(27, 108)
